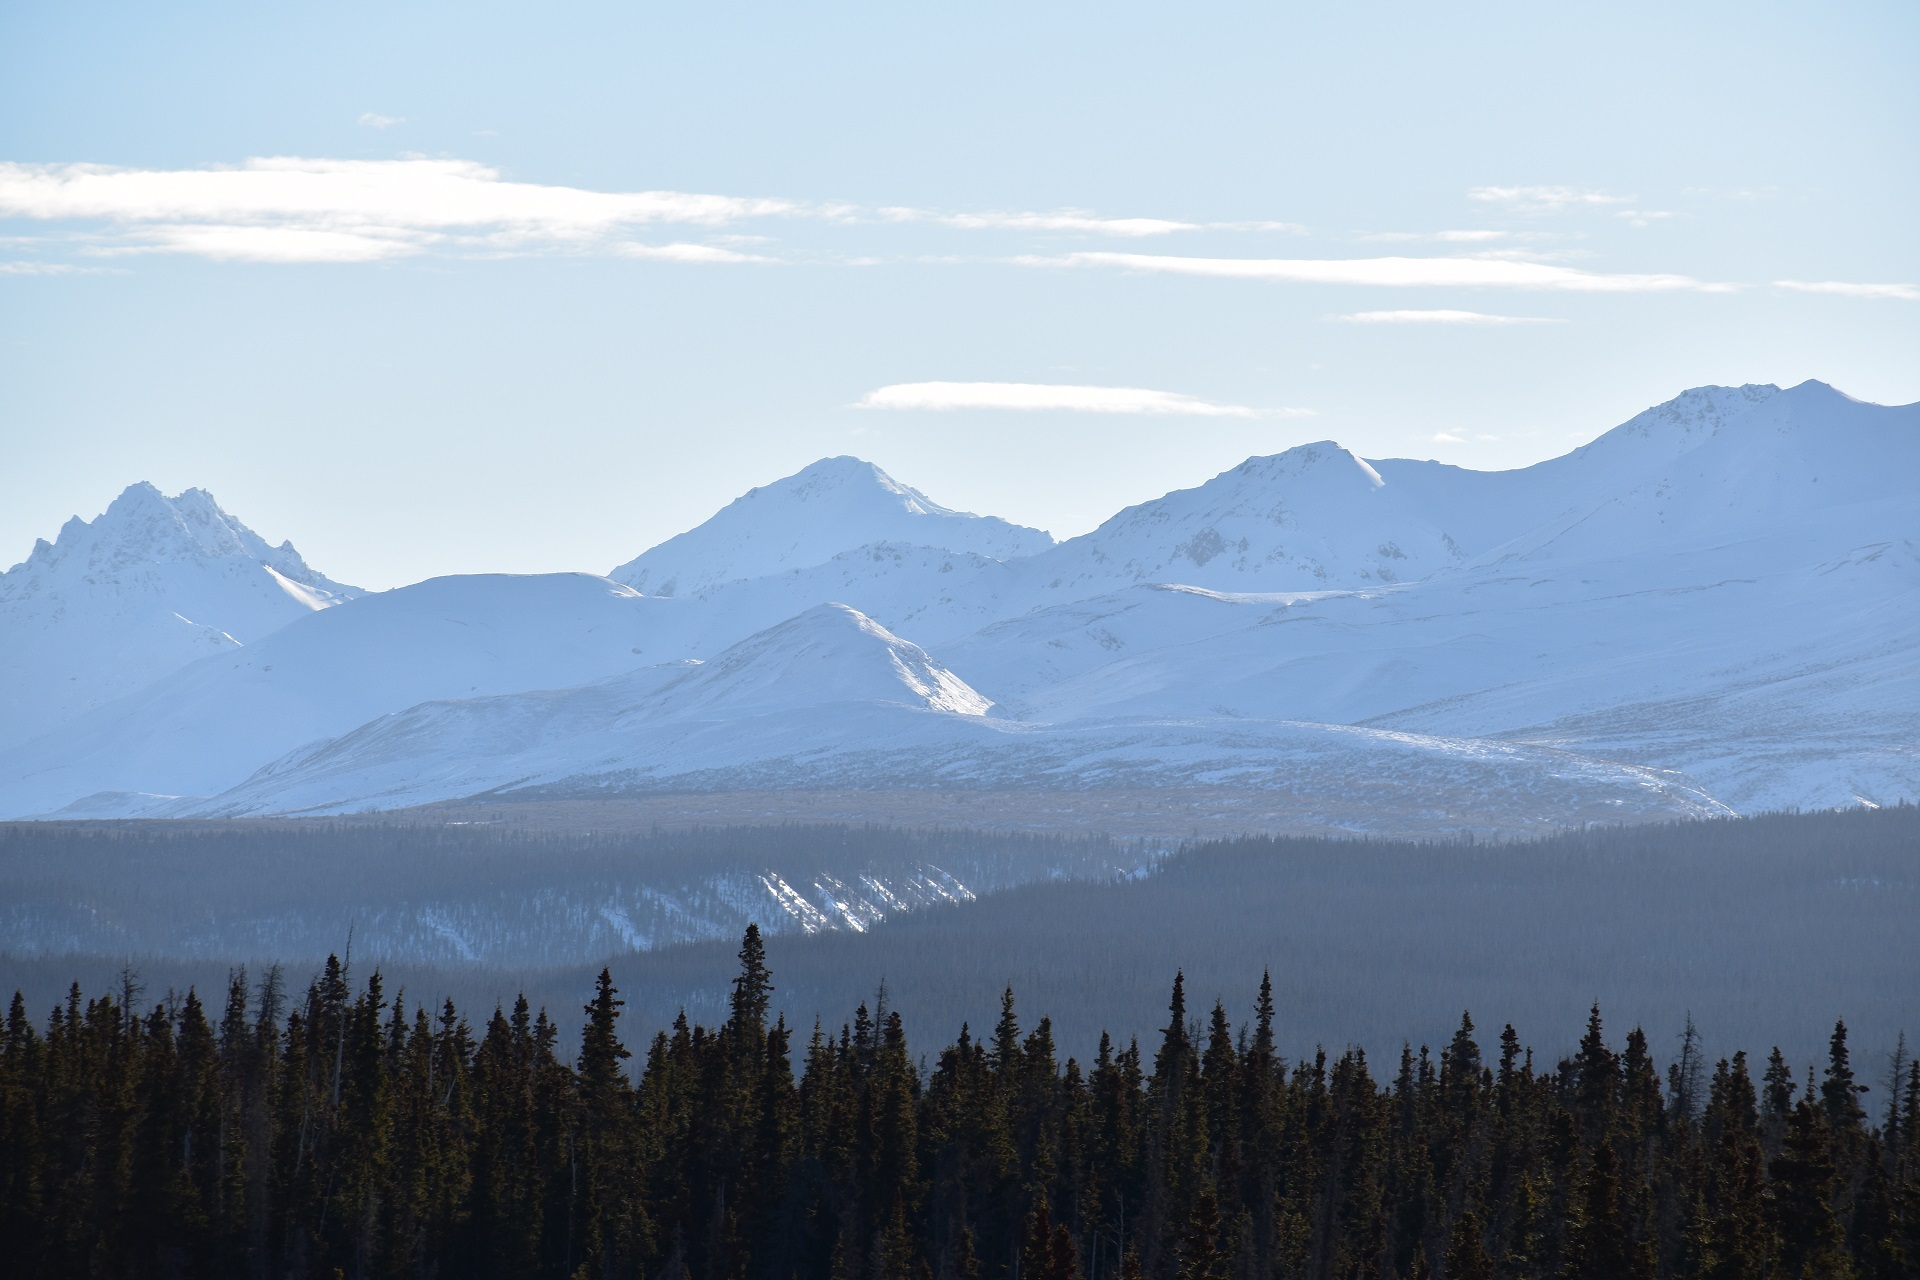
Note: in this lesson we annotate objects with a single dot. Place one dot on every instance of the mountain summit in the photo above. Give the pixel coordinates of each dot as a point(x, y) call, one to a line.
point(833, 506)
point(139, 591)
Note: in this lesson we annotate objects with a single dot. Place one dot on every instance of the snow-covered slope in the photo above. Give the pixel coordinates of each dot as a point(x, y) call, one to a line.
point(829, 671)
point(143, 589)
point(209, 725)
point(833, 699)
point(832, 506)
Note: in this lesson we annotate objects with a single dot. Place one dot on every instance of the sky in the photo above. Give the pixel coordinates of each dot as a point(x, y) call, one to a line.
point(444, 288)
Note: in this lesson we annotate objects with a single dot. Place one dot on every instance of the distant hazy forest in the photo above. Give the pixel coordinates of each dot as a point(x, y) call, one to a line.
point(1764, 930)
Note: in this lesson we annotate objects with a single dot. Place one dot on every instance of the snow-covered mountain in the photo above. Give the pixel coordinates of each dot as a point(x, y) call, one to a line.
point(141, 590)
point(1311, 518)
point(835, 505)
point(1714, 605)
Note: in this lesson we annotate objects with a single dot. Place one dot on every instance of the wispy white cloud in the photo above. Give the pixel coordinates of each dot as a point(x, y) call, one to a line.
point(1447, 437)
point(1644, 217)
point(1544, 199)
point(301, 210)
point(289, 244)
point(1443, 317)
point(1066, 220)
point(1905, 292)
point(685, 253)
point(374, 120)
point(1073, 220)
point(1467, 236)
point(1395, 272)
point(1034, 396)
point(293, 209)
point(39, 269)
point(415, 192)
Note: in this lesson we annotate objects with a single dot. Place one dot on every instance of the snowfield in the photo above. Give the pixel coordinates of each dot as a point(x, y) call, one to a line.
point(1714, 607)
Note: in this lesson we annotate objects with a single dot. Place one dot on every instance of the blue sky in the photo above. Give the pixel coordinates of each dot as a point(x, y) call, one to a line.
point(478, 287)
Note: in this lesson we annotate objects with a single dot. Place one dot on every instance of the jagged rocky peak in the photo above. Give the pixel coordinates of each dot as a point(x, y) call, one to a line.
point(143, 527)
point(806, 519)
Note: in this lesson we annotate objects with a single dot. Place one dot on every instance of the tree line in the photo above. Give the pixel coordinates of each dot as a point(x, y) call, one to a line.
point(345, 1134)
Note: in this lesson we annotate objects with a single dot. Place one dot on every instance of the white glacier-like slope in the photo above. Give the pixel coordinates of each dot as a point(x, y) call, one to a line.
point(206, 727)
point(148, 586)
point(832, 506)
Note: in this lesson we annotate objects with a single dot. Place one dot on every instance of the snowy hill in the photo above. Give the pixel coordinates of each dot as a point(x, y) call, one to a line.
point(146, 587)
point(1715, 604)
point(833, 506)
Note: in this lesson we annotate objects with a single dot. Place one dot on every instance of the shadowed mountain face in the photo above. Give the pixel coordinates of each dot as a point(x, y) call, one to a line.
point(1710, 608)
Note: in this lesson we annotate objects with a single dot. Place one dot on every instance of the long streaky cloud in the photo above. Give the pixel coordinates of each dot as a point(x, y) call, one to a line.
point(1488, 273)
point(1443, 317)
point(1074, 220)
point(286, 209)
point(294, 209)
point(1069, 220)
point(1905, 292)
point(413, 193)
point(1042, 397)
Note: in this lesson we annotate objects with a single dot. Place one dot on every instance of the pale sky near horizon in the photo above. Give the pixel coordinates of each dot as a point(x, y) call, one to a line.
point(461, 288)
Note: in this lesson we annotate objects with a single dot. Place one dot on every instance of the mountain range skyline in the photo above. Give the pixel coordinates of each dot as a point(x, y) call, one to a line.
point(138, 495)
point(1702, 611)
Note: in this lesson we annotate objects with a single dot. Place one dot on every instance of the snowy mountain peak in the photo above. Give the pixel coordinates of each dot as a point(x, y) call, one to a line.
point(143, 527)
point(1682, 423)
point(821, 480)
point(1312, 517)
point(830, 653)
point(806, 519)
point(1328, 459)
point(146, 587)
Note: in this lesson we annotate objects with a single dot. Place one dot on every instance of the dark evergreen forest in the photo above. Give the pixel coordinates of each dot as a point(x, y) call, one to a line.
point(340, 1132)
